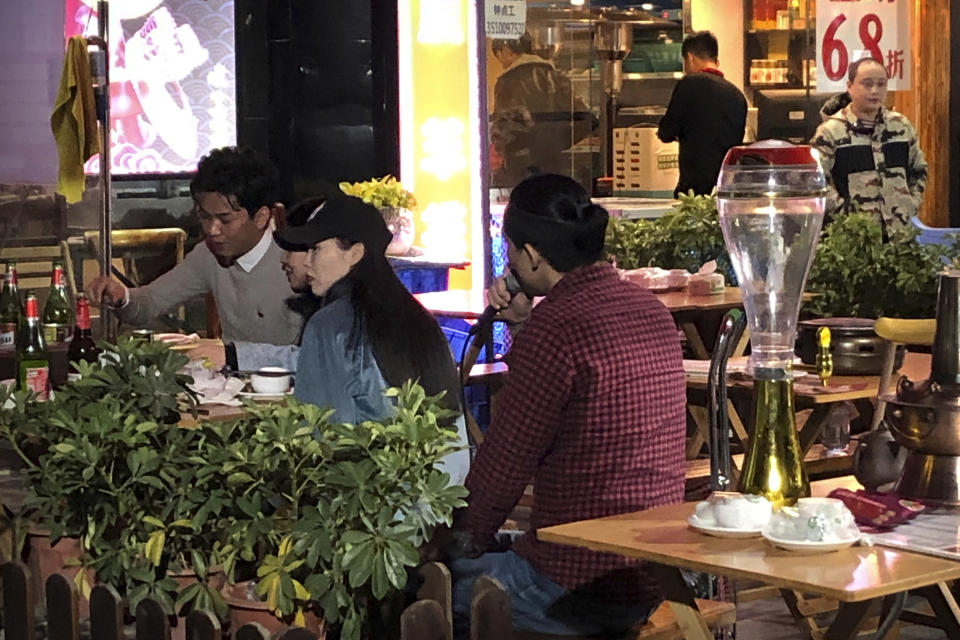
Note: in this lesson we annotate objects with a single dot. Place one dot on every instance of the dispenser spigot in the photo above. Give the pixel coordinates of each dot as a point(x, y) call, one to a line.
point(824, 361)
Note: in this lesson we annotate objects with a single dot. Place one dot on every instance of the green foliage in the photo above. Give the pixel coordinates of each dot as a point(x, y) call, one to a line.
point(332, 514)
point(101, 454)
point(685, 237)
point(855, 274)
point(383, 192)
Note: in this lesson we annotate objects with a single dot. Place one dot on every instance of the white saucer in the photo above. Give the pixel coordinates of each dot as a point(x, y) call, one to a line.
point(721, 532)
point(807, 547)
point(264, 397)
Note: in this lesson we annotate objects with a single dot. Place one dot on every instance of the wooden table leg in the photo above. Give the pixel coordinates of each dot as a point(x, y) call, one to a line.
point(851, 617)
point(702, 420)
point(694, 340)
point(945, 607)
point(678, 594)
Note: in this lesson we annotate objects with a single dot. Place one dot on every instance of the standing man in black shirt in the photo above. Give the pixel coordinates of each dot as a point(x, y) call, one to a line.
point(707, 115)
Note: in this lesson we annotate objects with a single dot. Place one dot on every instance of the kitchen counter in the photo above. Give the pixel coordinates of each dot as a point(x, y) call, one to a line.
point(632, 208)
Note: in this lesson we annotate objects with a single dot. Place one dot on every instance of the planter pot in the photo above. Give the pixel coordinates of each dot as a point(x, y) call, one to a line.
point(216, 579)
point(856, 349)
point(400, 223)
point(245, 608)
point(44, 560)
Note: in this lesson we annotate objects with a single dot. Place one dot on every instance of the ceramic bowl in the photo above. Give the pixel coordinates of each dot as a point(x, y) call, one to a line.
point(273, 380)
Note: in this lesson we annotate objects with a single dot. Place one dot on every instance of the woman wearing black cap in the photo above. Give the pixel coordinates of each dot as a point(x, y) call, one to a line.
point(370, 332)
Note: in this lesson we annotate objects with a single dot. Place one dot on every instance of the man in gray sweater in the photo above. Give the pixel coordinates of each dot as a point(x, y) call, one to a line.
point(234, 191)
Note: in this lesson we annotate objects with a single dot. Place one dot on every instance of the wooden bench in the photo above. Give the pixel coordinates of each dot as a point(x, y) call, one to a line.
point(491, 618)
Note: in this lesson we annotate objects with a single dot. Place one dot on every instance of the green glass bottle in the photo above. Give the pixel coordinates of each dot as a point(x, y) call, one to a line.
point(33, 363)
point(57, 312)
point(11, 309)
point(82, 347)
point(773, 466)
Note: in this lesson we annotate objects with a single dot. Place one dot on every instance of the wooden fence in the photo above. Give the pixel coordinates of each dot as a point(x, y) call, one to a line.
point(427, 619)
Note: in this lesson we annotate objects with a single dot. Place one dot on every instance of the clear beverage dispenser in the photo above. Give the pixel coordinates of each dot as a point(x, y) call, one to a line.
point(771, 198)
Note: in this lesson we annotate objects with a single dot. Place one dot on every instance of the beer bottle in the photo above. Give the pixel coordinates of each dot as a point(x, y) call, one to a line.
point(33, 364)
point(82, 348)
point(57, 314)
point(11, 309)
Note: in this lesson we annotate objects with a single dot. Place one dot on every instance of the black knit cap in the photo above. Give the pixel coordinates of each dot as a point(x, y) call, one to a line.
point(339, 217)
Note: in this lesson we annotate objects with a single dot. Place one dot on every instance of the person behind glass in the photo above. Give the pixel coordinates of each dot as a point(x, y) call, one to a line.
point(593, 410)
point(870, 153)
point(370, 333)
point(535, 114)
point(707, 114)
point(234, 195)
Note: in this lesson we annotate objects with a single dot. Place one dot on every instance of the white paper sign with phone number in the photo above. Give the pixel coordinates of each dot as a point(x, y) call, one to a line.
point(848, 30)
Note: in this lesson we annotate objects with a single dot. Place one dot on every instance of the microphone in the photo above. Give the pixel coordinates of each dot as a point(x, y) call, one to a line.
point(486, 318)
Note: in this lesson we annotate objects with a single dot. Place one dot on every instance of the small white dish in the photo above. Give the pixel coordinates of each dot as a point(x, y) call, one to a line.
point(720, 532)
point(264, 397)
point(806, 547)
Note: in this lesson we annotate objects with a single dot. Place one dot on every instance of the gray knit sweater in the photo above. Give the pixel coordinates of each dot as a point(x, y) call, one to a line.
point(251, 305)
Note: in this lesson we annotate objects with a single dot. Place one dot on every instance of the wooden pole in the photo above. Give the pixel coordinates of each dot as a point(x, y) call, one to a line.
point(927, 103)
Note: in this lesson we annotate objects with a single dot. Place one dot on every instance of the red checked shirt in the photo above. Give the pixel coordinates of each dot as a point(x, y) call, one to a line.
point(594, 411)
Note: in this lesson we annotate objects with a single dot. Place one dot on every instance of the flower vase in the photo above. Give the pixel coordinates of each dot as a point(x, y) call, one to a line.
point(400, 223)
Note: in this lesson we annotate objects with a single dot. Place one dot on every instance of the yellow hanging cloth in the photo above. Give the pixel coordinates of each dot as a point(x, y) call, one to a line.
point(74, 120)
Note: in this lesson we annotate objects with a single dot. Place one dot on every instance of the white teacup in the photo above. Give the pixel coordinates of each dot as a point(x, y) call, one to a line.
point(732, 510)
point(271, 383)
point(826, 519)
point(823, 507)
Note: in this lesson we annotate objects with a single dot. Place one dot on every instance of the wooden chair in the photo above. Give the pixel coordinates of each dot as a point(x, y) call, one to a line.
point(35, 263)
point(491, 617)
point(131, 245)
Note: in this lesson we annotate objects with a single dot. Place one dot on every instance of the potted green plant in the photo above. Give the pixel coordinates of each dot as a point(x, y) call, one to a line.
point(685, 237)
point(329, 516)
point(396, 205)
point(856, 277)
point(100, 457)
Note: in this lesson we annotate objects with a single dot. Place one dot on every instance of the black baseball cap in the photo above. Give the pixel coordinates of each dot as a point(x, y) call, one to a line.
point(339, 217)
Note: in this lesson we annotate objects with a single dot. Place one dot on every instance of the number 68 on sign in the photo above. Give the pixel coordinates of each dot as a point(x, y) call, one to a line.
point(848, 30)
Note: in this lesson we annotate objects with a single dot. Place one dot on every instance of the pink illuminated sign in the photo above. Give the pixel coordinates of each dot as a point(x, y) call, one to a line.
point(172, 80)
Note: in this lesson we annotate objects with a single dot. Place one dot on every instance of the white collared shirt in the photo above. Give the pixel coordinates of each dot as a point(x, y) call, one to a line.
point(253, 257)
point(247, 261)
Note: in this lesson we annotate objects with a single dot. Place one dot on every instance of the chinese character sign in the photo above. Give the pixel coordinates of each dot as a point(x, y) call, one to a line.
point(505, 19)
point(848, 30)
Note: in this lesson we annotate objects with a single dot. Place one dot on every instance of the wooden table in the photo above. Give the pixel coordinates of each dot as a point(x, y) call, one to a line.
point(839, 389)
point(688, 311)
point(857, 577)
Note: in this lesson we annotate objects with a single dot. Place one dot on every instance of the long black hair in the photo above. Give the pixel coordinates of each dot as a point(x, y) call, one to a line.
point(405, 340)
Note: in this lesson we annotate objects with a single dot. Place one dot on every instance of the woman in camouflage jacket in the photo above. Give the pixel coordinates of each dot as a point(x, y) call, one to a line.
point(870, 154)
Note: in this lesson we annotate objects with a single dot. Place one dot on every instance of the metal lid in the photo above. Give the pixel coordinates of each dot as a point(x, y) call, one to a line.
point(771, 168)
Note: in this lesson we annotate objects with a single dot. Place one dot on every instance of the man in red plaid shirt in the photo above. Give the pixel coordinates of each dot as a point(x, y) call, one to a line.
point(593, 411)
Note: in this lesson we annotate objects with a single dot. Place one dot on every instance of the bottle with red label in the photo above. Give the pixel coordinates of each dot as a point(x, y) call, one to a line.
point(11, 309)
point(33, 363)
point(82, 347)
point(57, 312)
